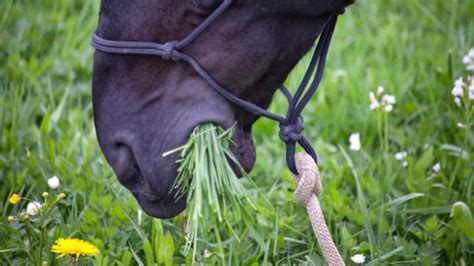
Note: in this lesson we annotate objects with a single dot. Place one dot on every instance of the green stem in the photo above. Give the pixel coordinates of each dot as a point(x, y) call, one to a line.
point(218, 238)
point(41, 244)
point(30, 243)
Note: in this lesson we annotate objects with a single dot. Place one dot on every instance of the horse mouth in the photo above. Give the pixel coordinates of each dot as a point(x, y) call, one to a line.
point(154, 189)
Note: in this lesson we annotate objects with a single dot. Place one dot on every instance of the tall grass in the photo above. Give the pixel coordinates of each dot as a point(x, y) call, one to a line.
point(214, 193)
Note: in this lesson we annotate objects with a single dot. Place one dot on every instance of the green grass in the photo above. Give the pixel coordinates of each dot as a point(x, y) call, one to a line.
point(215, 197)
point(373, 205)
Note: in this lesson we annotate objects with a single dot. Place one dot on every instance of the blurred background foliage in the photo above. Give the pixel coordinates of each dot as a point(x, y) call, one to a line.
point(373, 204)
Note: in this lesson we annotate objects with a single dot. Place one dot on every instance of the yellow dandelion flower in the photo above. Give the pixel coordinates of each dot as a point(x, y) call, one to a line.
point(14, 199)
point(74, 246)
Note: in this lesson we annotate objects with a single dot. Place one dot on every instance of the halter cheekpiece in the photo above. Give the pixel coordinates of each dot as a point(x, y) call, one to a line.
point(291, 125)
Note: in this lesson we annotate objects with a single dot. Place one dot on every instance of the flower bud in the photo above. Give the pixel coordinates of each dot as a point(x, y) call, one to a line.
point(61, 196)
point(11, 218)
point(45, 194)
point(24, 216)
point(53, 182)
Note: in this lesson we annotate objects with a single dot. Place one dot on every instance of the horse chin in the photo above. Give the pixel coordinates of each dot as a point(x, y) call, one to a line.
point(243, 148)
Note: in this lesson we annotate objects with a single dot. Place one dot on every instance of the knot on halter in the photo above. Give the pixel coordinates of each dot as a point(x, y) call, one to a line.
point(169, 51)
point(308, 181)
point(293, 132)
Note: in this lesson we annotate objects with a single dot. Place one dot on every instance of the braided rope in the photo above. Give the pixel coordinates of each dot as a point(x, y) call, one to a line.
point(307, 192)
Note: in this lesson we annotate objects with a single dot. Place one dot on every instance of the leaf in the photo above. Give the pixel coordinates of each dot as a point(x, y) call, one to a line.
point(166, 250)
point(44, 127)
point(135, 256)
point(148, 252)
point(347, 238)
point(462, 218)
point(424, 162)
point(126, 258)
point(157, 236)
point(56, 114)
point(455, 151)
point(403, 199)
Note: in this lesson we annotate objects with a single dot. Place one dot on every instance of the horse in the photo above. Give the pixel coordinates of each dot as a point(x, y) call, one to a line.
point(144, 105)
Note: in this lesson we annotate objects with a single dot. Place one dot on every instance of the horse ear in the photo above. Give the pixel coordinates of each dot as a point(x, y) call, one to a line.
point(208, 4)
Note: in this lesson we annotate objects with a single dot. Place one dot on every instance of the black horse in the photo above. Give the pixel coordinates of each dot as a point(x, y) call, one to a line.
point(145, 106)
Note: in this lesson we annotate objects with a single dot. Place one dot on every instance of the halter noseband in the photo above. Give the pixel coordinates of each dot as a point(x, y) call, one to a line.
point(291, 125)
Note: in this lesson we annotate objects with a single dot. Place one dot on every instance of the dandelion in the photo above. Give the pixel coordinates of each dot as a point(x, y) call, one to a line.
point(33, 207)
point(53, 182)
point(354, 141)
point(74, 246)
point(14, 199)
point(358, 258)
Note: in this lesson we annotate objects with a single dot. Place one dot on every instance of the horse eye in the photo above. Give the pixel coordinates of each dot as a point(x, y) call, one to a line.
point(208, 4)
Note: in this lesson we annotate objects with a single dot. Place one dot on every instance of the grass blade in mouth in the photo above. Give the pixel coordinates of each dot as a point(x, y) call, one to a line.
point(214, 193)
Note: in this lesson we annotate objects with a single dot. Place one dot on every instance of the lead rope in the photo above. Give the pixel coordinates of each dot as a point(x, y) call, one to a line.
point(308, 188)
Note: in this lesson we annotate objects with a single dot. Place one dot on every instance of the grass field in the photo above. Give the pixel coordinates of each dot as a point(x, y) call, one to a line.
point(392, 211)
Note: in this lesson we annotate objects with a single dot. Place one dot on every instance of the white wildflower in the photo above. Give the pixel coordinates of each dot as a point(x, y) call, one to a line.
point(468, 60)
point(459, 82)
point(33, 207)
point(53, 182)
point(401, 155)
point(380, 90)
point(437, 167)
point(388, 99)
point(457, 101)
point(354, 141)
point(461, 125)
point(358, 258)
point(374, 104)
point(471, 88)
point(471, 53)
point(457, 91)
point(405, 163)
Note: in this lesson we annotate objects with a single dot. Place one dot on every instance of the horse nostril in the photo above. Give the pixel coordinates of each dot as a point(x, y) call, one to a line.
point(125, 165)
